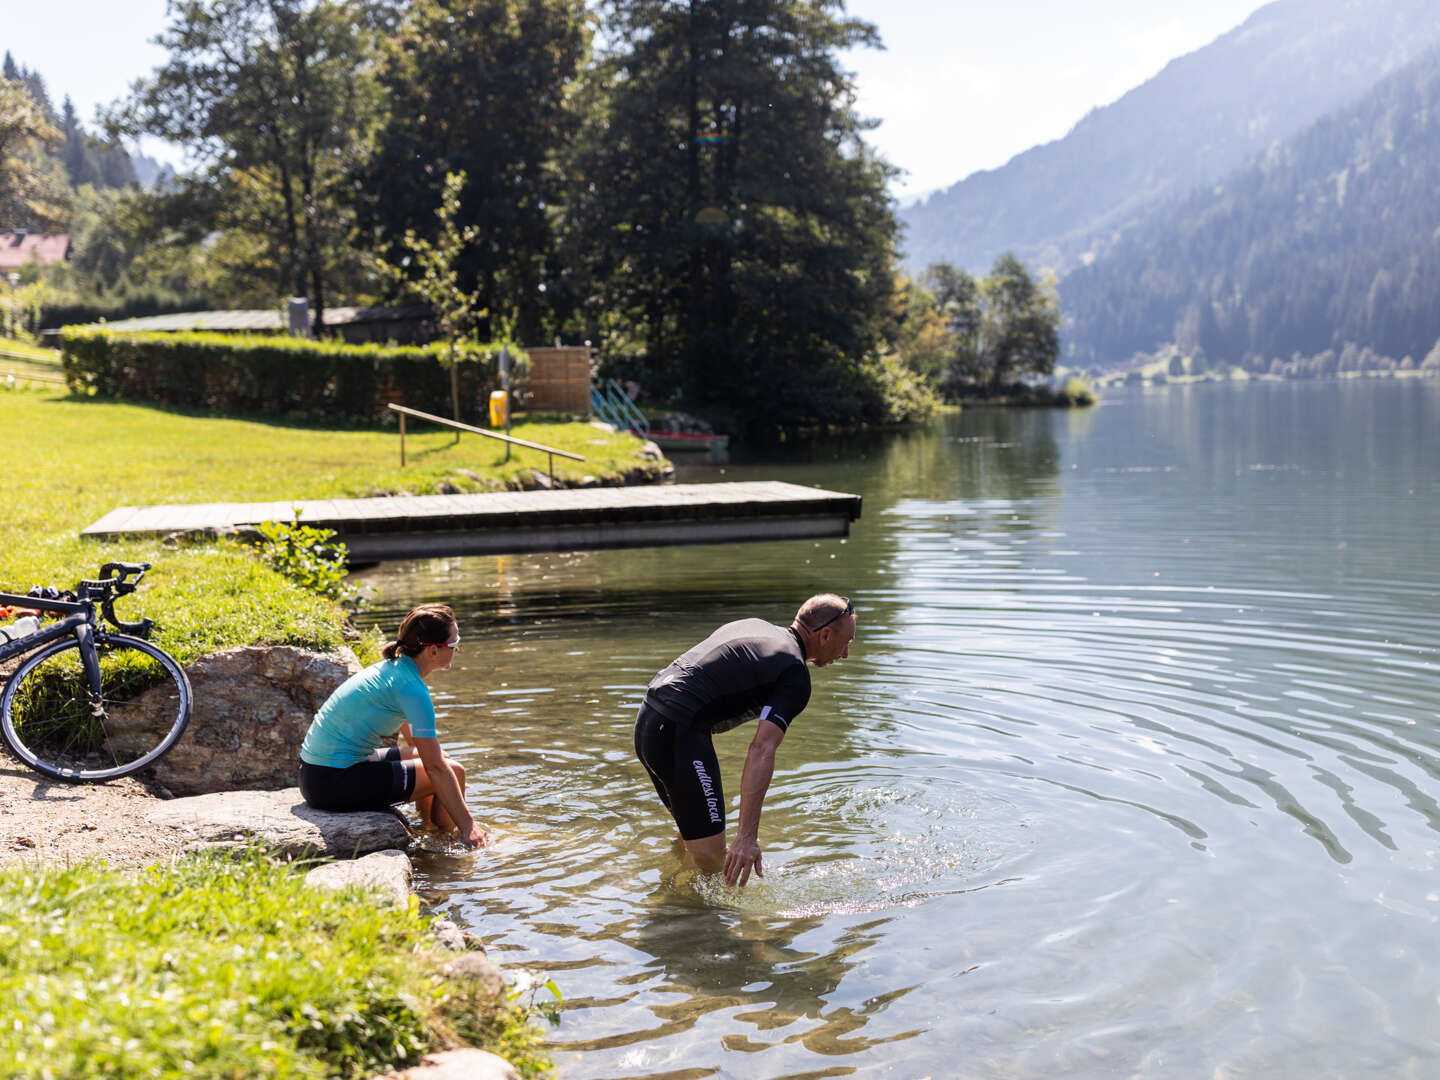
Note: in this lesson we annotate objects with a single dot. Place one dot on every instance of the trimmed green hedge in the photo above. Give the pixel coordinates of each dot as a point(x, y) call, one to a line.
point(64, 308)
point(251, 375)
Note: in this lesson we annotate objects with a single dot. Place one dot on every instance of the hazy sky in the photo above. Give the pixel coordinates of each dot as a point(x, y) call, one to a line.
point(959, 87)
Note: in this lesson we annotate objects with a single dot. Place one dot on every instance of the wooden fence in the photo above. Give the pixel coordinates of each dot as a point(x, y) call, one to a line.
point(559, 380)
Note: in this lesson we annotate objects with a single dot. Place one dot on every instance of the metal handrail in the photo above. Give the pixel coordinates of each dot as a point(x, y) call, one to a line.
point(405, 411)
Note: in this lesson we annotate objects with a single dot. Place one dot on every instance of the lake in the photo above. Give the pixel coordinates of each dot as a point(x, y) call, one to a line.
point(1132, 771)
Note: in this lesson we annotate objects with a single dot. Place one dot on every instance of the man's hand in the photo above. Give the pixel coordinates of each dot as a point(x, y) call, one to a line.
point(742, 856)
point(475, 838)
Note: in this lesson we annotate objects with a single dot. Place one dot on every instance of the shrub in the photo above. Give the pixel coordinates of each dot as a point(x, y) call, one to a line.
point(1077, 391)
point(69, 309)
point(308, 556)
point(236, 374)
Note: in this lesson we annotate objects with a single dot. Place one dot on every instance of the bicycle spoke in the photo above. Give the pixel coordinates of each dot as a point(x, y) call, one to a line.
point(50, 722)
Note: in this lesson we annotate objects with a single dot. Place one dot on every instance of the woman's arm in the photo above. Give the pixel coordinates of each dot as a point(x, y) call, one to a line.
point(447, 790)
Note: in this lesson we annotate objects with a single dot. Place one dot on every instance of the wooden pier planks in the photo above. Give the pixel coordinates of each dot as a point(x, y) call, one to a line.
point(416, 526)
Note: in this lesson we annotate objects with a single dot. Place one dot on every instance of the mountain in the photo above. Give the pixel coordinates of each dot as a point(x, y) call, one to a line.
point(1330, 239)
point(150, 173)
point(1205, 114)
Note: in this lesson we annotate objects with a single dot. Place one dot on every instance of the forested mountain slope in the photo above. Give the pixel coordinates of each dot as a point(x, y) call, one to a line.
point(1329, 239)
point(1204, 115)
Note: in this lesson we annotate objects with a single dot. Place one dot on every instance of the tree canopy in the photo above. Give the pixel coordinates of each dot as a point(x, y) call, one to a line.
point(1000, 328)
point(483, 88)
point(280, 99)
point(31, 194)
point(731, 233)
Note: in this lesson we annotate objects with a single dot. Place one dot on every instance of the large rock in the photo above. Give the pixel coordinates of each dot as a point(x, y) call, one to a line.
point(386, 872)
point(458, 1065)
point(252, 706)
point(280, 822)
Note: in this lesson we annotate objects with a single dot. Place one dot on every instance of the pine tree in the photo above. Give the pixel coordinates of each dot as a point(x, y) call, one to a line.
point(731, 227)
point(80, 163)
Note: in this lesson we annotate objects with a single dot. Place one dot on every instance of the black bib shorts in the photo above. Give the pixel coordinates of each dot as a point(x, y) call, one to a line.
point(377, 783)
point(681, 763)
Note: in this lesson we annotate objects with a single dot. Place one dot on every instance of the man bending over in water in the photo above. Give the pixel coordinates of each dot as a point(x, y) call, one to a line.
point(745, 670)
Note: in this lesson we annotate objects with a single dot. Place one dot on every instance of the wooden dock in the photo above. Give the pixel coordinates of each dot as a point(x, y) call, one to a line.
point(578, 519)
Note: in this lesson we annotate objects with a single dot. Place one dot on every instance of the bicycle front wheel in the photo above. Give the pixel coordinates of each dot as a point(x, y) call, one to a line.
point(50, 722)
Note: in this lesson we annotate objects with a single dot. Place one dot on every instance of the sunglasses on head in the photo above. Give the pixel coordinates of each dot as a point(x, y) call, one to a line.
point(846, 610)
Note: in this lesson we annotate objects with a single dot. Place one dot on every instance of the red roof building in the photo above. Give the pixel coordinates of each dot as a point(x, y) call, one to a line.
point(19, 249)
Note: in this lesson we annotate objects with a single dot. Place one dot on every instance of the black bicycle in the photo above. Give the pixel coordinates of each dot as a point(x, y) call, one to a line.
point(86, 703)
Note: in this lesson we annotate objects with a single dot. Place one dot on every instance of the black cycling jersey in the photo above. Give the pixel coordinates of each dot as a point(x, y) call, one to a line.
point(743, 670)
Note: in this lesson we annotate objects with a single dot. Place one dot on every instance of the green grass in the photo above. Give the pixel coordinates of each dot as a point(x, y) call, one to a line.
point(24, 365)
point(226, 967)
point(15, 348)
point(75, 459)
point(214, 968)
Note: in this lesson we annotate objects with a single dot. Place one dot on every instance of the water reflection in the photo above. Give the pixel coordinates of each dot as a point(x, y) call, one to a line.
point(1132, 770)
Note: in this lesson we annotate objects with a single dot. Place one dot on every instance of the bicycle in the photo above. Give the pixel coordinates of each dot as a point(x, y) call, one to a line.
point(90, 704)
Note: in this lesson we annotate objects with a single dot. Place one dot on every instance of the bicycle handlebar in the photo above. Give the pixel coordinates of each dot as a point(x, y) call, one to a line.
point(122, 587)
point(107, 588)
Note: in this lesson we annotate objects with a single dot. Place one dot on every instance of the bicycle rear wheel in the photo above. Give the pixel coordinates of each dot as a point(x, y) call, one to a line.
point(49, 722)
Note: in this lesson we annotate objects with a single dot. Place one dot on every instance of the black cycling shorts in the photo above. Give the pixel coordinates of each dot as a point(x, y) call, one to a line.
point(377, 783)
point(681, 763)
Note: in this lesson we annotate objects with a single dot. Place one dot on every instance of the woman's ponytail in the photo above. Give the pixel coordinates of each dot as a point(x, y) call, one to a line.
point(428, 624)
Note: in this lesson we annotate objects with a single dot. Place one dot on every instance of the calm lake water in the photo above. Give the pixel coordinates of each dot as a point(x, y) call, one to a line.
point(1133, 769)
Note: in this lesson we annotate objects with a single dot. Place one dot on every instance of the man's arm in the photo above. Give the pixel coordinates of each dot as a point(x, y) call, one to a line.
point(447, 790)
point(744, 854)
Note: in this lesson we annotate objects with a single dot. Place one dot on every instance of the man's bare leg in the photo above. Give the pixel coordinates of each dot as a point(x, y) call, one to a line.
point(708, 853)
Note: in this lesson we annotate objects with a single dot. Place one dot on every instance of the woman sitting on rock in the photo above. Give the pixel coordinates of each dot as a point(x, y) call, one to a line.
point(343, 764)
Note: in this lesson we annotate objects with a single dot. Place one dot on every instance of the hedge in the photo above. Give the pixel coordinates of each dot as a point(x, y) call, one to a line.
point(251, 375)
point(59, 309)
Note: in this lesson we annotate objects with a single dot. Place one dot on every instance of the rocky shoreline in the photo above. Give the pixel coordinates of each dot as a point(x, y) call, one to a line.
point(245, 731)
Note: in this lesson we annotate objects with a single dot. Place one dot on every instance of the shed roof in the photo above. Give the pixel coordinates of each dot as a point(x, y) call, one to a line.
point(18, 249)
point(264, 319)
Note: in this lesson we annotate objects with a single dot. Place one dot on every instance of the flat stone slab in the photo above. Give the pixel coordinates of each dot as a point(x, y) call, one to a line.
point(458, 1065)
point(387, 872)
point(280, 822)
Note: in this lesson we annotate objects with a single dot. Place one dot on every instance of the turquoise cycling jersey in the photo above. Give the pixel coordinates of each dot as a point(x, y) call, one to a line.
point(365, 709)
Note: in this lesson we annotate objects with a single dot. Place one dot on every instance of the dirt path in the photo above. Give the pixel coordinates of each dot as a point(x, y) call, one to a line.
point(64, 823)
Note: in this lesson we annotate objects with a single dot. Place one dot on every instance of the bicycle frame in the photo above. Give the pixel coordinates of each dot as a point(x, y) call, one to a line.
point(79, 623)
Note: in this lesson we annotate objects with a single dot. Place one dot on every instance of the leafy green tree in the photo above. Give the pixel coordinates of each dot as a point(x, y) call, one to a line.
point(437, 279)
point(481, 87)
point(957, 296)
point(1001, 327)
point(32, 190)
point(918, 334)
point(728, 228)
point(279, 99)
point(1020, 326)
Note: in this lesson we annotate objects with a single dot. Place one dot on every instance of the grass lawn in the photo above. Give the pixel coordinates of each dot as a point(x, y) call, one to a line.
point(222, 967)
point(22, 364)
point(18, 349)
point(219, 968)
point(75, 459)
